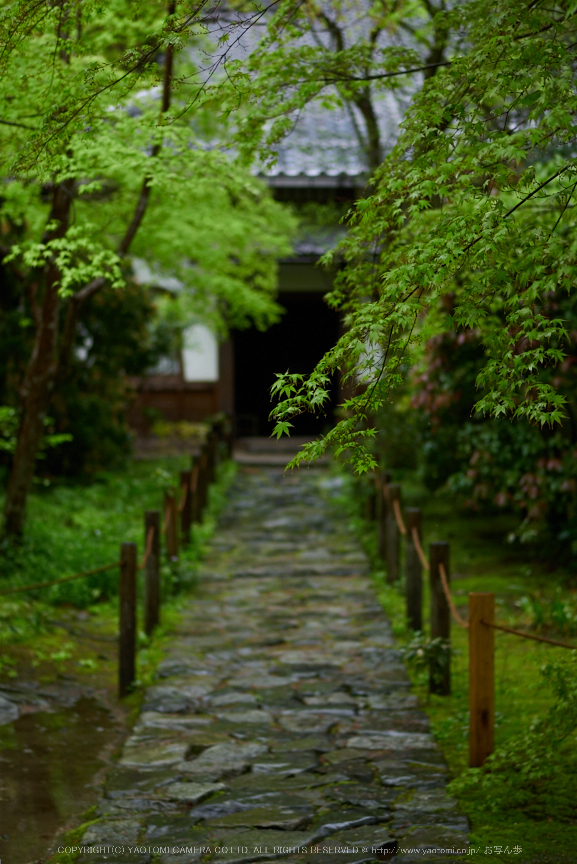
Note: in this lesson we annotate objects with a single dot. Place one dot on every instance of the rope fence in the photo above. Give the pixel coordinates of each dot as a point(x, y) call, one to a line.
point(445, 583)
point(61, 580)
point(417, 544)
point(399, 516)
point(481, 626)
point(530, 636)
point(191, 507)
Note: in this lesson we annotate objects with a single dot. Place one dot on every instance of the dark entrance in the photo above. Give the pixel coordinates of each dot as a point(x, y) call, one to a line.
point(307, 329)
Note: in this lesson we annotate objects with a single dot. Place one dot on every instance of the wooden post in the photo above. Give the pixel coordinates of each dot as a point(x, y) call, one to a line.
point(414, 586)
point(127, 619)
point(481, 678)
point(152, 573)
point(171, 525)
point(382, 479)
point(186, 512)
point(440, 611)
point(392, 534)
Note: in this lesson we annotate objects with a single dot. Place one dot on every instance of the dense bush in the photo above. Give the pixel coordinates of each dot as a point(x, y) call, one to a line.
point(494, 463)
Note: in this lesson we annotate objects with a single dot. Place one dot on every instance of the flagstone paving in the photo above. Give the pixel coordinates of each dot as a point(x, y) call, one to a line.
point(282, 725)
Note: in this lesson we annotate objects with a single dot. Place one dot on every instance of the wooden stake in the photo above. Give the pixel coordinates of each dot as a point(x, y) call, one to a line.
point(413, 520)
point(171, 526)
point(127, 620)
point(440, 611)
point(481, 678)
point(152, 573)
point(392, 534)
point(186, 512)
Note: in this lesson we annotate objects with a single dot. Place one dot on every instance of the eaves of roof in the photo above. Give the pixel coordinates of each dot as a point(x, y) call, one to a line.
point(311, 179)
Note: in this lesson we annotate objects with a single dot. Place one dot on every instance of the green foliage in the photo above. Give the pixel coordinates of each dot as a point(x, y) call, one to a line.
point(473, 207)
point(556, 612)
point(90, 89)
point(74, 527)
point(9, 428)
point(430, 656)
point(103, 110)
point(525, 772)
point(495, 463)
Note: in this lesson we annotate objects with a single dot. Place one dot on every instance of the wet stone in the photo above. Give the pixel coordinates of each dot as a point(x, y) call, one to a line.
point(166, 830)
point(265, 817)
point(306, 721)
point(132, 806)
point(337, 820)
point(223, 760)
point(191, 793)
point(249, 845)
point(158, 755)
point(8, 711)
point(246, 717)
point(319, 744)
point(123, 782)
point(118, 857)
point(285, 764)
point(233, 698)
point(282, 719)
point(118, 831)
point(264, 782)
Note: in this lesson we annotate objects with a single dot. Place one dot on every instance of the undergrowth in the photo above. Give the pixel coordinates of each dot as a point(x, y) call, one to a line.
point(74, 528)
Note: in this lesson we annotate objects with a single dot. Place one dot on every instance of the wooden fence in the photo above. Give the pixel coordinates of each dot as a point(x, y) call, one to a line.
point(392, 528)
point(182, 508)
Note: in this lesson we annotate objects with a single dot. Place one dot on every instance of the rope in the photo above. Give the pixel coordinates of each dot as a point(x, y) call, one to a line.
point(399, 516)
point(419, 548)
point(530, 636)
point(449, 599)
point(183, 489)
point(63, 579)
point(148, 550)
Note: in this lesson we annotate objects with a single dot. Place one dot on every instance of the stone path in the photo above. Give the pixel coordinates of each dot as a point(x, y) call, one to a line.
point(282, 725)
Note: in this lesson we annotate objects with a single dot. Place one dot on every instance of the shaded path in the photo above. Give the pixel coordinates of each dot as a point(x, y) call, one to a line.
point(282, 716)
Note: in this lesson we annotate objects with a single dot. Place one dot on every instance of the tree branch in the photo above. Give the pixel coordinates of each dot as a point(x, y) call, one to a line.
point(385, 74)
point(21, 125)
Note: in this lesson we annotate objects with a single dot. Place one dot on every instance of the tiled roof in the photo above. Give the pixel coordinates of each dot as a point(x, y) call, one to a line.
point(323, 144)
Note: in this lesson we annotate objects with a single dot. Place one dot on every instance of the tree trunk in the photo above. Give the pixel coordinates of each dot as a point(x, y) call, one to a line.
point(39, 378)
